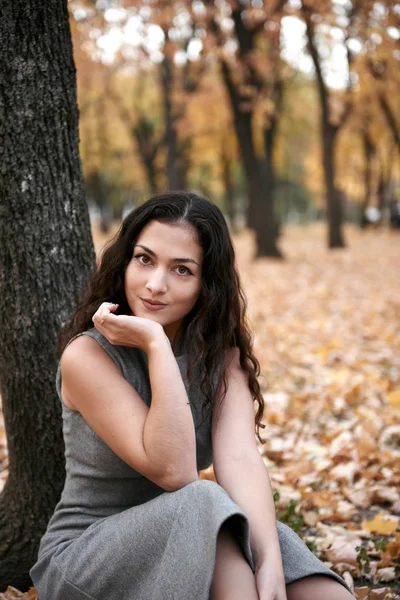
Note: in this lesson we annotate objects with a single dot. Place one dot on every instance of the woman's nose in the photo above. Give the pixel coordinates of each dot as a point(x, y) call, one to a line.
point(157, 283)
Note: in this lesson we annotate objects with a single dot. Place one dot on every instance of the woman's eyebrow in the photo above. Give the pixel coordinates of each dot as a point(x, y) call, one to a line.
point(189, 260)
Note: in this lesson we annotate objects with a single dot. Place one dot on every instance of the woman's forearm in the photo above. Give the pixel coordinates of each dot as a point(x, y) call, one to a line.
point(168, 435)
point(247, 482)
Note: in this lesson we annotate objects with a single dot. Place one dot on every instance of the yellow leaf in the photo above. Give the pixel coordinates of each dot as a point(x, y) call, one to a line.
point(382, 524)
point(394, 398)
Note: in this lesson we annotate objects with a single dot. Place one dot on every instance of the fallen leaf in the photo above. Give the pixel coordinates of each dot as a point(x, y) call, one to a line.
point(394, 398)
point(383, 493)
point(361, 593)
point(386, 574)
point(342, 550)
point(382, 524)
point(381, 594)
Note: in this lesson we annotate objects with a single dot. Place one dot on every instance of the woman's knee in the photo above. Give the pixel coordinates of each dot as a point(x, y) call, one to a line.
point(318, 587)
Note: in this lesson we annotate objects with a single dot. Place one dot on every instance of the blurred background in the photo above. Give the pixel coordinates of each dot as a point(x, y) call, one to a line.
point(282, 112)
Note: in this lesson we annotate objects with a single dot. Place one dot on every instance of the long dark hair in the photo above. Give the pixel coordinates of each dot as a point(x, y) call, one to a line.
point(217, 322)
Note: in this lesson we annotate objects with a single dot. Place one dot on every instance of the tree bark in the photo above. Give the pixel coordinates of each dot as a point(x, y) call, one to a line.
point(260, 209)
point(369, 151)
point(230, 205)
point(148, 146)
point(47, 252)
point(174, 170)
point(329, 134)
point(270, 132)
point(259, 173)
point(333, 195)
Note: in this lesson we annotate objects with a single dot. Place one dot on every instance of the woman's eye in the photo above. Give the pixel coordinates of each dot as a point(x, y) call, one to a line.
point(142, 257)
point(184, 272)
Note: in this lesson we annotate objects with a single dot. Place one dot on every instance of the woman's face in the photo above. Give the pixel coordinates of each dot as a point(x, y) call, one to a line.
point(166, 268)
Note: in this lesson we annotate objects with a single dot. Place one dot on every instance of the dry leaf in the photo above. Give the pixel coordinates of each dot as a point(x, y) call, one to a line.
point(386, 574)
point(382, 524)
point(394, 398)
point(381, 594)
point(380, 493)
point(361, 593)
point(342, 550)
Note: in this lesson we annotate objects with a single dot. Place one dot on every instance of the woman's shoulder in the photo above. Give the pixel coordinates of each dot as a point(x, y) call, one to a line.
point(91, 344)
point(89, 355)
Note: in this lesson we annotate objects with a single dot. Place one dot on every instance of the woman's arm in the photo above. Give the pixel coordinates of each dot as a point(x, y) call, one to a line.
point(239, 468)
point(158, 442)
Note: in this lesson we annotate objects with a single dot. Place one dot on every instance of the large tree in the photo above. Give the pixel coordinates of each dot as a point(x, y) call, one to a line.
point(46, 253)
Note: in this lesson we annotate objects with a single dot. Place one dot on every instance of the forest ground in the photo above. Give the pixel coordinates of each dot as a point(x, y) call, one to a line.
point(327, 334)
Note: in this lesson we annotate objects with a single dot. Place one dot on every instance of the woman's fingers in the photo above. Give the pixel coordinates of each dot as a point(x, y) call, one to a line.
point(105, 309)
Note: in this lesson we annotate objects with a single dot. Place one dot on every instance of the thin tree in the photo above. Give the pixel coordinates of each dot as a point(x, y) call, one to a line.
point(330, 126)
point(46, 253)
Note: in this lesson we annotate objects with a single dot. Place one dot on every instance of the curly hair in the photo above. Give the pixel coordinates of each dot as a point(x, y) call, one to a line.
point(216, 324)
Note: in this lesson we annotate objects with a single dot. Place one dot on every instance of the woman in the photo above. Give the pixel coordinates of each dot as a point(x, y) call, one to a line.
point(163, 384)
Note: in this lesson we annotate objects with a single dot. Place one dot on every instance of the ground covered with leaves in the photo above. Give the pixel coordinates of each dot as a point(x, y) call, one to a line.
point(327, 334)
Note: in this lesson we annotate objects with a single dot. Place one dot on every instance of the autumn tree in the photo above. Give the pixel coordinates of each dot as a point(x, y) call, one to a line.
point(332, 119)
point(176, 80)
point(253, 80)
point(376, 69)
point(382, 64)
point(47, 252)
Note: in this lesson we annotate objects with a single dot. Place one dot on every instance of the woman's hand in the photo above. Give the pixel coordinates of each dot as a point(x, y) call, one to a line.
point(126, 330)
point(270, 580)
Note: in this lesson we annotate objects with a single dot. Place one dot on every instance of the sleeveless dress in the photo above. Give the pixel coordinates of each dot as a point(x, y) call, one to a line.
point(116, 535)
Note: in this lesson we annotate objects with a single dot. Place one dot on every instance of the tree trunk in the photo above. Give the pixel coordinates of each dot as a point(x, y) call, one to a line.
point(333, 195)
point(97, 190)
point(151, 174)
point(173, 168)
point(229, 197)
point(148, 145)
point(369, 151)
point(385, 184)
point(260, 211)
point(329, 133)
point(144, 139)
point(267, 166)
point(47, 252)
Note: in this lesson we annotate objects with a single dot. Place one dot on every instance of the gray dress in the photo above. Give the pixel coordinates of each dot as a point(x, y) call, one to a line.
point(115, 535)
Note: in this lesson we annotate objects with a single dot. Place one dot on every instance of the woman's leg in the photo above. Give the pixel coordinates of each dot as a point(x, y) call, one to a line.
point(317, 587)
point(233, 578)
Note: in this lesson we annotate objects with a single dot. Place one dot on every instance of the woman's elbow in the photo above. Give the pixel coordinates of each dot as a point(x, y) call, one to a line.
point(173, 482)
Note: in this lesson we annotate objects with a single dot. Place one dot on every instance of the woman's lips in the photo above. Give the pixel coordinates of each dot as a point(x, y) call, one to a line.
point(152, 306)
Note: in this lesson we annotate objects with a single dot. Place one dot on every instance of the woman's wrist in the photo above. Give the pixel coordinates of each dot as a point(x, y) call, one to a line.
point(271, 553)
point(158, 340)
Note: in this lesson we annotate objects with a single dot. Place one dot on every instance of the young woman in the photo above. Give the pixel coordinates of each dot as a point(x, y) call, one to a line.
point(160, 387)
